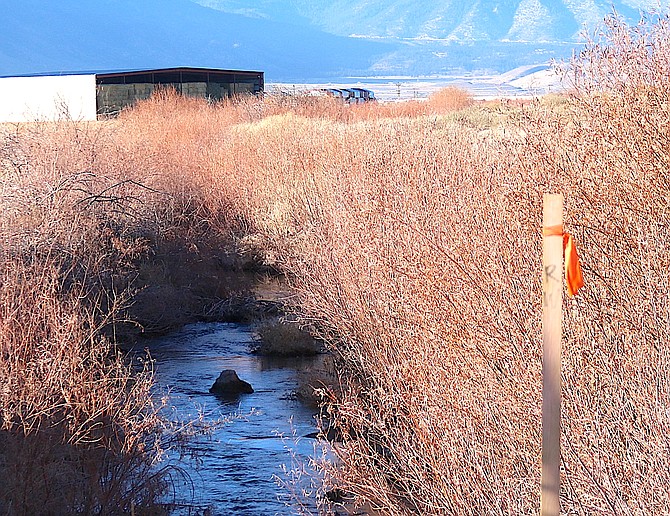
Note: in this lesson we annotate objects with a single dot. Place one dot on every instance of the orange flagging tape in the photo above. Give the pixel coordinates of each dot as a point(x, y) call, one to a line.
point(573, 270)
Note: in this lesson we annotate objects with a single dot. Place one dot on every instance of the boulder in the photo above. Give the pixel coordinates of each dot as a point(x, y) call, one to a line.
point(229, 384)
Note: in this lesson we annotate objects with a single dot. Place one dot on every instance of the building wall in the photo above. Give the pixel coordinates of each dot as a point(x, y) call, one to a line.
point(47, 98)
point(112, 98)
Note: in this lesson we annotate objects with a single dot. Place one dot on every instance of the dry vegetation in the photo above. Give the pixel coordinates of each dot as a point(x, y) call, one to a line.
point(411, 233)
point(78, 430)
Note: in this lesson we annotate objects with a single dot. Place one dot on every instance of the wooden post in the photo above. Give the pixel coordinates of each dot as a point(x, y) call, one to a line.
point(552, 302)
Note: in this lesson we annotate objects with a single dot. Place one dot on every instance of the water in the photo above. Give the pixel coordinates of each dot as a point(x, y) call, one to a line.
point(234, 466)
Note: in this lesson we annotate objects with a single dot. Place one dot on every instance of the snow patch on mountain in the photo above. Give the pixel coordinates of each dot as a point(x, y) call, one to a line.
point(469, 29)
point(588, 12)
point(532, 22)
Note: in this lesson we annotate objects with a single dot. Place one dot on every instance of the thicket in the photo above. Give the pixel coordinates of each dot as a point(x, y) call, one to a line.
point(81, 212)
point(442, 326)
point(414, 242)
point(411, 234)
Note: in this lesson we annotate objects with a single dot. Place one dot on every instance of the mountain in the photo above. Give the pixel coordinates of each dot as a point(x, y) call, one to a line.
point(297, 40)
point(446, 36)
point(556, 21)
point(73, 35)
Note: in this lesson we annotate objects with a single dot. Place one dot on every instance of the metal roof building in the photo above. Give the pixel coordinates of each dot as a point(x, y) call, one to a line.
point(88, 95)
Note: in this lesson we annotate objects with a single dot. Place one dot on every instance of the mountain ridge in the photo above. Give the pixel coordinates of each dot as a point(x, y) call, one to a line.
point(39, 36)
point(465, 20)
point(296, 40)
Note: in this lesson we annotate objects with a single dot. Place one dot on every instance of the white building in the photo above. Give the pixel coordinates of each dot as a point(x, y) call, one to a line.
point(47, 97)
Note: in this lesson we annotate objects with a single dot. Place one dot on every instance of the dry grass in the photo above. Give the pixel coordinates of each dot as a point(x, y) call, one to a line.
point(411, 234)
point(282, 337)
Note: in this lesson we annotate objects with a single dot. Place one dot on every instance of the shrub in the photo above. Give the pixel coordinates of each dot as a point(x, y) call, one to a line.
point(78, 430)
point(449, 99)
point(284, 338)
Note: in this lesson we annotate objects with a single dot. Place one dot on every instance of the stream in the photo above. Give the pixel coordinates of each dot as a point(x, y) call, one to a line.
point(233, 469)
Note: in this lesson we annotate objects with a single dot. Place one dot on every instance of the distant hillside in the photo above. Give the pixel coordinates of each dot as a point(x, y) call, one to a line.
point(554, 21)
point(65, 35)
point(297, 40)
point(444, 36)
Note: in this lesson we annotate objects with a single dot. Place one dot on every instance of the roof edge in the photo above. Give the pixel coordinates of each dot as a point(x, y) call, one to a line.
point(132, 71)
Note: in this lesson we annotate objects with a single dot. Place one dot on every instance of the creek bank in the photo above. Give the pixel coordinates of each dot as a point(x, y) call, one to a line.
point(282, 336)
point(177, 286)
point(177, 283)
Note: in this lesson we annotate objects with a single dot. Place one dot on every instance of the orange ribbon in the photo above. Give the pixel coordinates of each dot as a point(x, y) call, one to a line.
point(573, 270)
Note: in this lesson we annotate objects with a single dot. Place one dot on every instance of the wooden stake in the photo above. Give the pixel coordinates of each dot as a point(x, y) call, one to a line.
point(552, 302)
